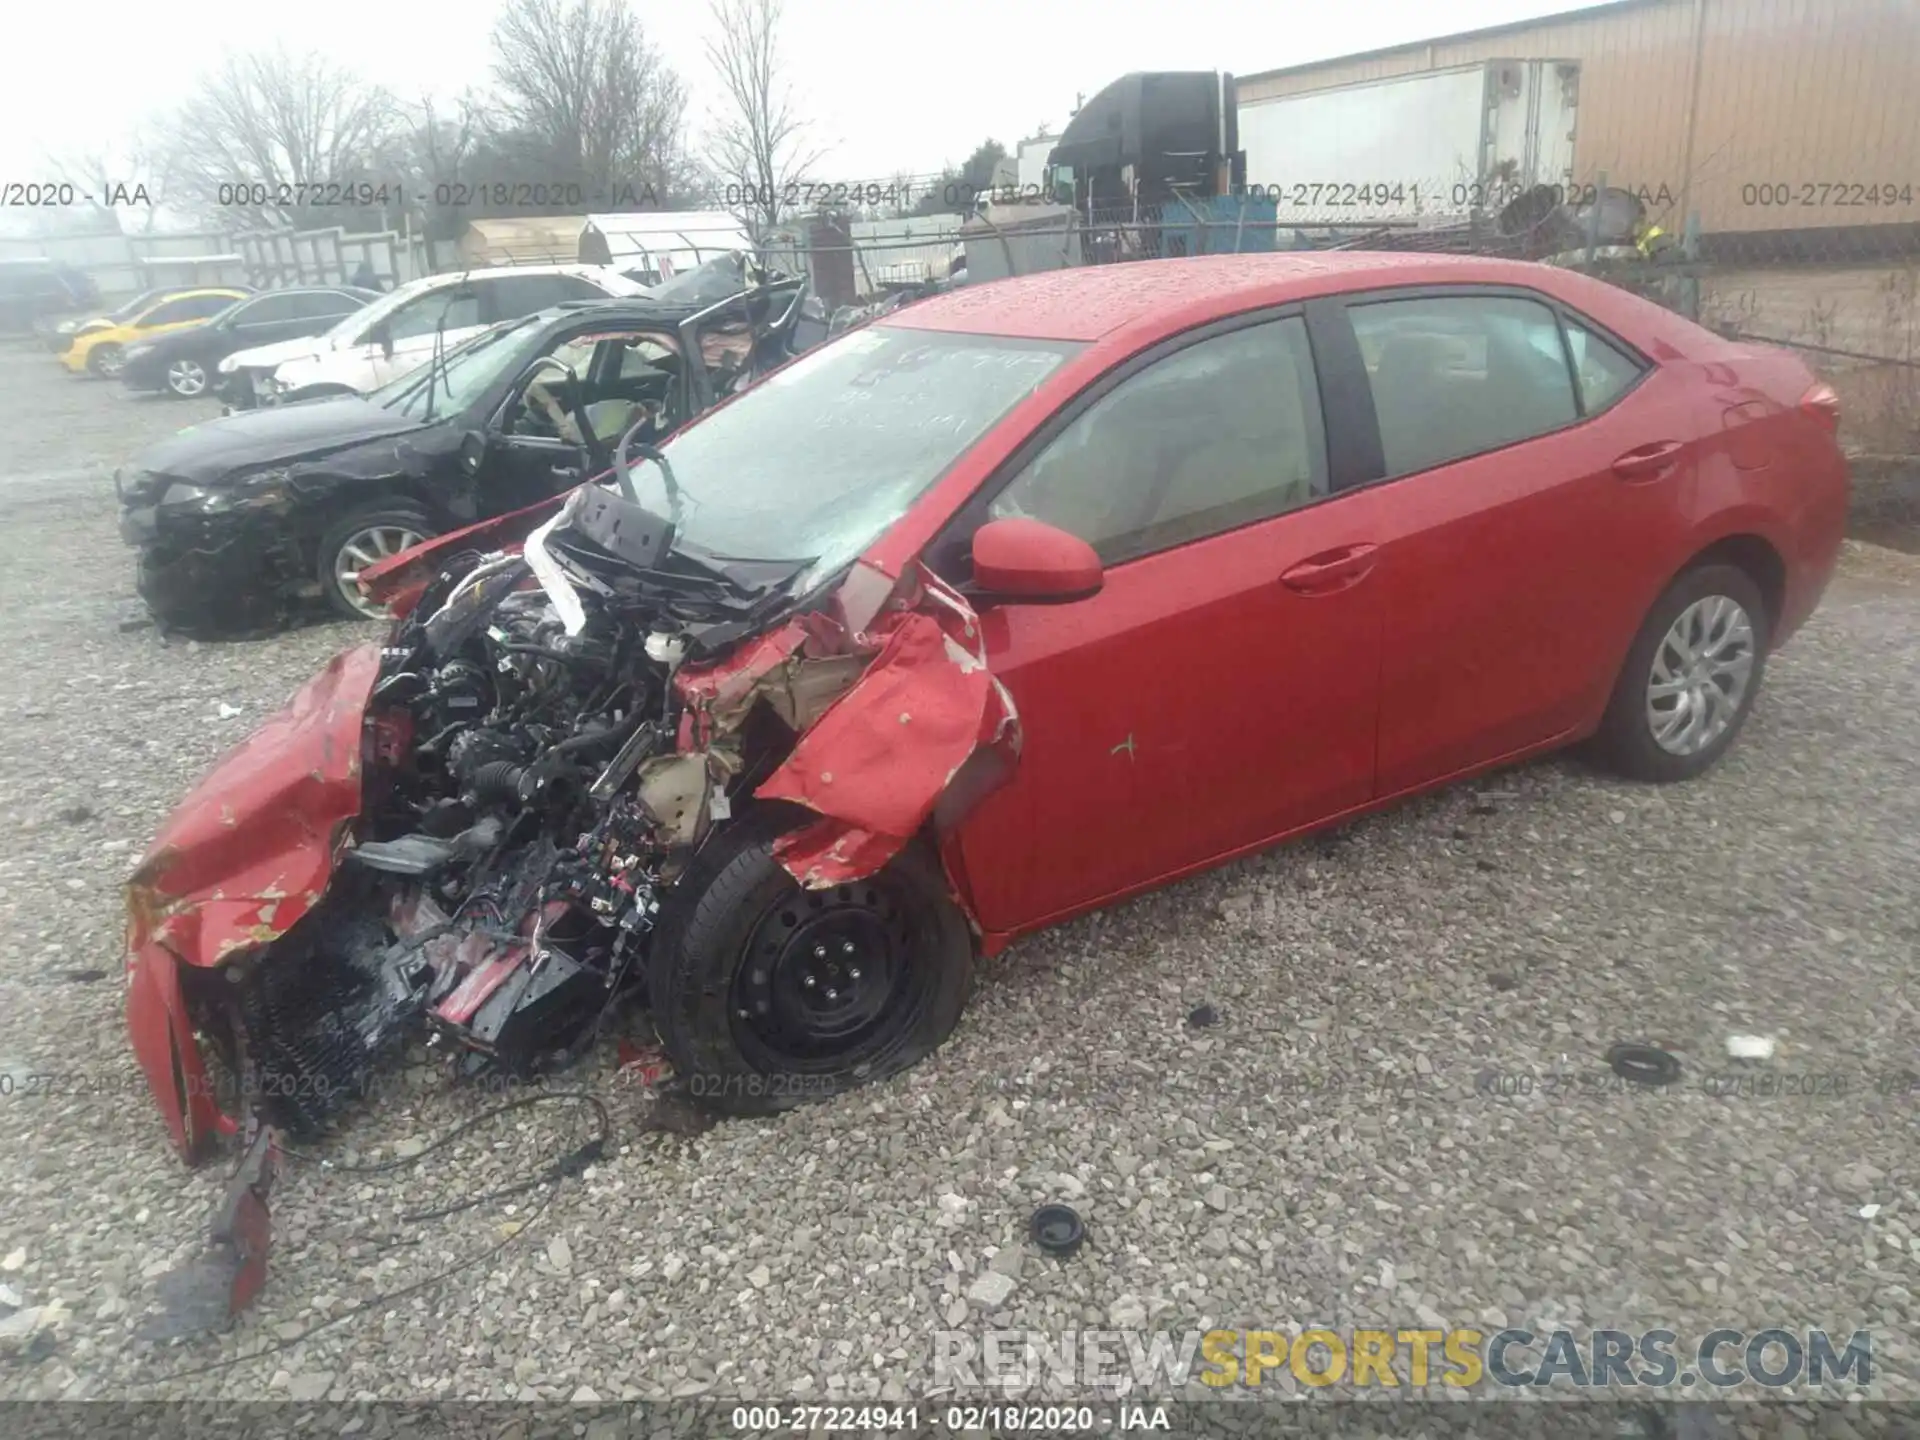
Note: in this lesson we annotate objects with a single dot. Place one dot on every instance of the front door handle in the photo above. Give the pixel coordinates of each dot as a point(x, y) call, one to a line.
point(1330, 570)
point(1648, 462)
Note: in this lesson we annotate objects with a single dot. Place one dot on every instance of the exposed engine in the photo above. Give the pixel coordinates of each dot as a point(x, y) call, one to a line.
point(506, 868)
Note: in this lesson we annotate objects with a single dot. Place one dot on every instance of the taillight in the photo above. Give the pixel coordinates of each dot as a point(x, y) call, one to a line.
point(1823, 405)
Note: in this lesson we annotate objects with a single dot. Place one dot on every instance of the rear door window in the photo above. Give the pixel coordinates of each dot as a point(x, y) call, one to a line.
point(271, 310)
point(1459, 376)
point(1604, 372)
point(433, 310)
point(515, 295)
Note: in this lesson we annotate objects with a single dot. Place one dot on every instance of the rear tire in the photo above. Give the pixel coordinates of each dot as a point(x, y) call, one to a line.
point(187, 378)
point(105, 361)
point(359, 539)
point(766, 995)
point(1690, 680)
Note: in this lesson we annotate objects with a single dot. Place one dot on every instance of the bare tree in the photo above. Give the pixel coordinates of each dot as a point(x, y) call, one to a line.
point(587, 100)
point(290, 127)
point(126, 185)
point(440, 146)
point(758, 145)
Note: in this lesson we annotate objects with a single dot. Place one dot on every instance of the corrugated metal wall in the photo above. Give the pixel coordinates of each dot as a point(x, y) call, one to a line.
point(1714, 98)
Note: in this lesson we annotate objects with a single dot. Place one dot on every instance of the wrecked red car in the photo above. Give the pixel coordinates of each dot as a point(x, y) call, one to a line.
point(1011, 604)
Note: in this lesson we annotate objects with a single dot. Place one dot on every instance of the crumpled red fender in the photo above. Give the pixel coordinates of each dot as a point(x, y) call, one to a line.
point(875, 764)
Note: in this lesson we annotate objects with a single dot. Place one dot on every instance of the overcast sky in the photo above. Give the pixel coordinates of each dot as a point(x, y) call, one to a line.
point(890, 87)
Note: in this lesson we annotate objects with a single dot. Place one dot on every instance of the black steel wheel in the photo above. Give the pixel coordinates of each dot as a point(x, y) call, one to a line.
point(767, 995)
point(826, 972)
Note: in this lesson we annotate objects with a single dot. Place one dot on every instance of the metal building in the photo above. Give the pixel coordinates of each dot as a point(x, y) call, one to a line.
point(1760, 115)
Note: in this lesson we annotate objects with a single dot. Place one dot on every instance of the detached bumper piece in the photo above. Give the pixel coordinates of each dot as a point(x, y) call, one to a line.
point(206, 1294)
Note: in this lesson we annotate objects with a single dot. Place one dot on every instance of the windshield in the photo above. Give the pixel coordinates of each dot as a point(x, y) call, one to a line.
point(463, 376)
point(819, 458)
point(360, 321)
point(137, 304)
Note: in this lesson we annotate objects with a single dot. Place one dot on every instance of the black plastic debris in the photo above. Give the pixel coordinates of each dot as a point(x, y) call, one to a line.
point(82, 977)
point(74, 814)
point(1501, 980)
point(1643, 1064)
point(1058, 1230)
point(1202, 1017)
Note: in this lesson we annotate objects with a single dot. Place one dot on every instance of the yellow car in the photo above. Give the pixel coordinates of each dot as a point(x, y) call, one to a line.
point(101, 344)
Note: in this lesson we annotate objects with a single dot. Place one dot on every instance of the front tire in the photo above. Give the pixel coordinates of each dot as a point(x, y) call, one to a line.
point(1690, 679)
point(767, 995)
point(105, 361)
point(359, 540)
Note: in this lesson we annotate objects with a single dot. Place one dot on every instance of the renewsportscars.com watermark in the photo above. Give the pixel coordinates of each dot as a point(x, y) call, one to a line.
point(1126, 1362)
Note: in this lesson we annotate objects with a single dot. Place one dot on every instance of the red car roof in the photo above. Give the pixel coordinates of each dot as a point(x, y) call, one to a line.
point(1093, 301)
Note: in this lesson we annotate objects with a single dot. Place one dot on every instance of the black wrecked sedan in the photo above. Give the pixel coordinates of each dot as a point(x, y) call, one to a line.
point(242, 521)
point(185, 362)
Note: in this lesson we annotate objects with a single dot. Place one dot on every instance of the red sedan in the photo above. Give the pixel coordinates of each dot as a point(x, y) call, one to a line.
point(1046, 592)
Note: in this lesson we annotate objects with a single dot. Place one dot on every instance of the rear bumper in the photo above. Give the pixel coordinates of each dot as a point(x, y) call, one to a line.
point(1823, 529)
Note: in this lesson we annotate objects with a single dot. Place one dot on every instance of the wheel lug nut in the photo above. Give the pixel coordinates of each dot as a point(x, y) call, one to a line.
point(846, 947)
point(833, 994)
point(808, 981)
point(853, 972)
point(819, 952)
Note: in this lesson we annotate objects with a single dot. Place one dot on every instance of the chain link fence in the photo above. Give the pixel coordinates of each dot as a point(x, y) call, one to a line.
point(1845, 296)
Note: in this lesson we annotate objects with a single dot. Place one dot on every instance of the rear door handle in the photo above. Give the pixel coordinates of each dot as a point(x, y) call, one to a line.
point(1330, 570)
point(1649, 462)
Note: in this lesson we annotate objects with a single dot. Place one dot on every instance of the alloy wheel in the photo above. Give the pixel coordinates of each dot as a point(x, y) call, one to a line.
point(110, 360)
point(187, 378)
point(1702, 672)
point(361, 551)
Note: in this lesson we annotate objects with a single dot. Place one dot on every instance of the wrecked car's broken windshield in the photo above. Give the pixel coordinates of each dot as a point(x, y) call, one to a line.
point(463, 375)
point(817, 460)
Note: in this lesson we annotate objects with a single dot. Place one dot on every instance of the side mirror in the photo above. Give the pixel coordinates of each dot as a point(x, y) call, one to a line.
point(473, 451)
point(1029, 562)
point(383, 337)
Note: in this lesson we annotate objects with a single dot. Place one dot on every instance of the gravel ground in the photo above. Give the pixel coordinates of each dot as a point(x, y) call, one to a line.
point(1511, 930)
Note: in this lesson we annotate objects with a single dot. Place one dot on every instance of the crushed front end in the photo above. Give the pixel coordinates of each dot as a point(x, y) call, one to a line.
point(471, 830)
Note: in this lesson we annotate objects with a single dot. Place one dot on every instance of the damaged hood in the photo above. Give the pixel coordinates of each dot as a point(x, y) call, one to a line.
point(208, 453)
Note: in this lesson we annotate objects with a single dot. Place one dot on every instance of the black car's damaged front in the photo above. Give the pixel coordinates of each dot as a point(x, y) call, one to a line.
point(230, 517)
point(221, 549)
point(239, 520)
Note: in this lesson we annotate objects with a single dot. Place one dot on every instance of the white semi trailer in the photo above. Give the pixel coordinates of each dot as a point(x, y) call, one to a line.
point(1431, 148)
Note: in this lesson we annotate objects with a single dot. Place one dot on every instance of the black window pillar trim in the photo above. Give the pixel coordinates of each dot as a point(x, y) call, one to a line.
point(1355, 455)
